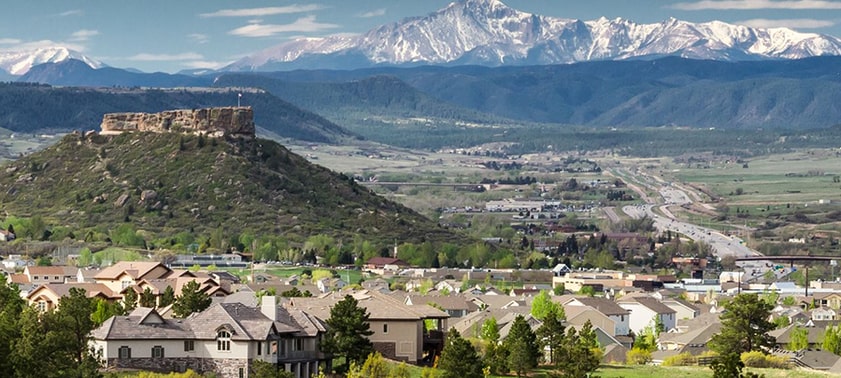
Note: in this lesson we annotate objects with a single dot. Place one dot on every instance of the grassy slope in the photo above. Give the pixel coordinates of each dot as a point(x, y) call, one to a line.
point(246, 185)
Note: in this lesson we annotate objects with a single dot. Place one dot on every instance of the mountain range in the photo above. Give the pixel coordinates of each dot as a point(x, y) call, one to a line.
point(487, 32)
point(490, 33)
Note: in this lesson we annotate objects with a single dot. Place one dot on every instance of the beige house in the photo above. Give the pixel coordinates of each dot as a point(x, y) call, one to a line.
point(128, 273)
point(399, 331)
point(225, 339)
point(47, 296)
point(39, 275)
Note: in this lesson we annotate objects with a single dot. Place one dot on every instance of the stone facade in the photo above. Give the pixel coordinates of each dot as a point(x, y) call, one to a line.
point(223, 367)
point(234, 121)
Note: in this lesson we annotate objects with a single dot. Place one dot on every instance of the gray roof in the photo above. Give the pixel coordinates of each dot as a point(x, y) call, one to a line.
point(651, 303)
point(603, 305)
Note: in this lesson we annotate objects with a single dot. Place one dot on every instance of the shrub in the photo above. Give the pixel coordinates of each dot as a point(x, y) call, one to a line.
point(683, 359)
point(760, 360)
point(638, 356)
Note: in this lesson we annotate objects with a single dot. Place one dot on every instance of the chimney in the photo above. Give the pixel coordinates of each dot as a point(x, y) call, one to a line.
point(268, 306)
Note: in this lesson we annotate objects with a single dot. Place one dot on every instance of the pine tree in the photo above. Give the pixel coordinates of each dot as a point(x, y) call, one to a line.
point(168, 297)
point(522, 346)
point(191, 300)
point(458, 358)
point(130, 300)
point(551, 334)
point(347, 333)
point(147, 298)
point(11, 307)
point(744, 326)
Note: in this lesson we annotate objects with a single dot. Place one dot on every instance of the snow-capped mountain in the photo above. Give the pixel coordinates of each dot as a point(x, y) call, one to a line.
point(19, 62)
point(488, 32)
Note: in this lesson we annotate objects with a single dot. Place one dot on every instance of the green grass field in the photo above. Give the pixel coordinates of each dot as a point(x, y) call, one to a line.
point(795, 178)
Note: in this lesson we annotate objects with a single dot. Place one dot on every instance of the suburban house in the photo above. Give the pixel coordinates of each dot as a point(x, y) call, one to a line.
point(129, 273)
point(455, 306)
point(385, 263)
point(47, 296)
point(39, 275)
point(683, 309)
point(646, 311)
point(224, 339)
point(613, 311)
point(157, 286)
point(399, 331)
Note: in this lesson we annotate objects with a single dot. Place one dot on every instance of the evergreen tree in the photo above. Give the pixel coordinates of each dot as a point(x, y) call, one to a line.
point(68, 336)
point(744, 326)
point(191, 300)
point(459, 359)
point(576, 358)
point(147, 298)
point(522, 346)
point(105, 310)
point(130, 300)
point(168, 296)
point(347, 331)
point(551, 334)
point(30, 353)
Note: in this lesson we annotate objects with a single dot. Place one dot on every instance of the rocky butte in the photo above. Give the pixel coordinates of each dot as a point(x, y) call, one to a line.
point(216, 122)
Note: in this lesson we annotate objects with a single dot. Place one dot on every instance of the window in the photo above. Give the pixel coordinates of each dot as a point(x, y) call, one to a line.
point(126, 283)
point(157, 351)
point(42, 306)
point(621, 318)
point(189, 345)
point(283, 348)
point(35, 278)
point(124, 352)
point(385, 328)
point(259, 348)
point(56, 278)
point(223, 340)
point(299, 344)
point(241, 373)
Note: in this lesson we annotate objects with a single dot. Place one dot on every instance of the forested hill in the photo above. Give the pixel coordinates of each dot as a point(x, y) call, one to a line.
point(378, 95)
point(31, 108)
point(170, 184)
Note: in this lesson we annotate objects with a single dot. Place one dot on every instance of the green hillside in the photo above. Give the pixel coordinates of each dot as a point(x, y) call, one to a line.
point(166, 184)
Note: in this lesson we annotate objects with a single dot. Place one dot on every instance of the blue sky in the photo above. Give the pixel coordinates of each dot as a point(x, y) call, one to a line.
point(172, 35)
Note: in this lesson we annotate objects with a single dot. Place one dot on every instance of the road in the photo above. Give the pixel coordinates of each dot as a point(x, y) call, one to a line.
point(721, 244)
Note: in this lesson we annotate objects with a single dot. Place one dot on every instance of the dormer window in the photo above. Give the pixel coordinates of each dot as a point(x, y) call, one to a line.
point(223, 340)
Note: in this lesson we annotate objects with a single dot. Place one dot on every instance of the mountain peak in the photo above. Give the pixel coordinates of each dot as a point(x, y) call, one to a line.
point(21, 61)
point(488, 32)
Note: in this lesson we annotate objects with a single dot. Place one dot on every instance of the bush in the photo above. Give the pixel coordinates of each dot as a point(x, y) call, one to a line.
point(637, 356)
point(683, 359)
point(760, 360)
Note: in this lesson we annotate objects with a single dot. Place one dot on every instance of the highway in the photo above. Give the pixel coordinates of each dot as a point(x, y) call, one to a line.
point(721, 244)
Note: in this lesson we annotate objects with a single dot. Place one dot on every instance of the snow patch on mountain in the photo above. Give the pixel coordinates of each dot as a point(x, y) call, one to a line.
point(19, 62)
point(491, 33)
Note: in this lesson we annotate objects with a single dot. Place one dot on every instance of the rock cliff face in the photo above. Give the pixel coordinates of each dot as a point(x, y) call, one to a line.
point(235, 121)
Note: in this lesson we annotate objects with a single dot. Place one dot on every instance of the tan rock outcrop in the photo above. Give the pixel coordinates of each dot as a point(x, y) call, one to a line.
point(235, 121)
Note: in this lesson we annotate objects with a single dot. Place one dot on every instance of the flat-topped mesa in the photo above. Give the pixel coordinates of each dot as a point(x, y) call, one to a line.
point(217, 122)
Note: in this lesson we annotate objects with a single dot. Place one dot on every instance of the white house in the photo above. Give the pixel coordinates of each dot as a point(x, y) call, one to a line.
point(644, 311)
point(613, 311)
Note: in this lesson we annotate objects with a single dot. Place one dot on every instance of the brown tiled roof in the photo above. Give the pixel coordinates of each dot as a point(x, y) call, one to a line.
point(18, 278)
point(51, 270)
point(381, 261)
point(379, 306)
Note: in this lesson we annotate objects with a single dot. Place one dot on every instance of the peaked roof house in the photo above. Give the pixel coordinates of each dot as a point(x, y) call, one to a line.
point(128, 273)
point(225, 339)
point(47, 296)
point(644, 310)
point(613, 311)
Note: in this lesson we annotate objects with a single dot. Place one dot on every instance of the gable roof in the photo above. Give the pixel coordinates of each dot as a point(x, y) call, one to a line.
point(63, 290)
point(651, 303)
point(135, 269)
point(603, 305)
point(378, 305)
point(382, 261)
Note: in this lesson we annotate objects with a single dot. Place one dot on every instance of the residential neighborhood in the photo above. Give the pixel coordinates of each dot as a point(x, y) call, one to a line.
point(249, 320)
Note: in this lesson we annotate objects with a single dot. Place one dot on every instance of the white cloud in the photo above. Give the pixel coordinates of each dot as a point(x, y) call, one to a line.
point(146, 57)
point(304, 24)
point(205, 64)
point(74, 12)
point(373, 13)
point(9, 41)
point(83, 35)
point(259, 12)
point(793, 23)
point(198, 38)
point(756, 4)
